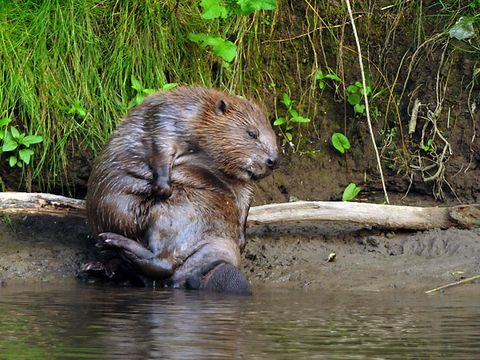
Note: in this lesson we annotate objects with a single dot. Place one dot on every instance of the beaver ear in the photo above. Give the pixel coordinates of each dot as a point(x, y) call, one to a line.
point(221, 107)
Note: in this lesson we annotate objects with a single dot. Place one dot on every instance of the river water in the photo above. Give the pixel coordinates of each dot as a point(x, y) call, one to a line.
point(80, 321)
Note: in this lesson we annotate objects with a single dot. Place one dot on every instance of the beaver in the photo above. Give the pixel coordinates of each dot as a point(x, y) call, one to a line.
point(170, 192)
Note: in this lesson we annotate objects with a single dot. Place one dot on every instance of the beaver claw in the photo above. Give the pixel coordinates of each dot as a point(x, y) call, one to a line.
point(155, 266)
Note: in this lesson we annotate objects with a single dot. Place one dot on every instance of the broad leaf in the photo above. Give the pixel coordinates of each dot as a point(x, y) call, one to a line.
point(350, 192)
point(227, 50)
point(169, 86)
point(25, 155)
point(319, 75)
point(5, 121)
point(359, 108)
point(248, 7)
point(352, 89)
point(289, 136)
point(300, 119)
point(280, 121)
point(15, 133)
point(212, 9)
point(353, 99)
point(32, 139)
point(340, 142)
point(197, 38)
point(9, 144)
point(333, 77)
point(12, 161)
point(286, 100)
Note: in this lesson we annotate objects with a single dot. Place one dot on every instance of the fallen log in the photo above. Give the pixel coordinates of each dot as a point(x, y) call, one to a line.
point(374, 215)
point(20, 203)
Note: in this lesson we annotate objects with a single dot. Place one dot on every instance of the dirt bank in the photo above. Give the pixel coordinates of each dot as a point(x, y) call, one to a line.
point(52, 249)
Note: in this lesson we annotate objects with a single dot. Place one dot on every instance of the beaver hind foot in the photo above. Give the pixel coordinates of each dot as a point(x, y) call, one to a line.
point(220, 276)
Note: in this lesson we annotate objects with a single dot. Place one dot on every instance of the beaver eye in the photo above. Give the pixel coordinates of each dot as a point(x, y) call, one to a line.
point(252, 134)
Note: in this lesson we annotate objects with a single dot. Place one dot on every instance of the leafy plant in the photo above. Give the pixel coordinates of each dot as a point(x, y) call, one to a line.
point(225, 49)
point(322, 77)
point(17, 144)
point(285, 123)
point(428, 147)
point(355, 97)
point(340, 142)
point(77, 109)
point(141, 92)
point(213, 9)
point(350, 192)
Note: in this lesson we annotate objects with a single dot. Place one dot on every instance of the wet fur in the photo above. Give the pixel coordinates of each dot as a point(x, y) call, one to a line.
point(203, 138)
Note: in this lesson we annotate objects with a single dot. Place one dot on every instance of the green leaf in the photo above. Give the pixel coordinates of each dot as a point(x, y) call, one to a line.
point(81, 112)
point(25, 155)
point(227, 50)
point(350, 192)
point(358, 84)
point(15, 133)
point(32, 139)
point(352, 89)
point(333, 77)
point(300, 119)
point(169, 86)
point(321, 85)
point(359, 108)
point(286, 100)
point(289, 136)
point(197, 38)
point(280, 121)
point(5, 121)
point(212, 9)
point(353, 99)
point(12, 160)
point(9, 144)
point(248, 7)
point(340, 142)
point(136, 83)
point(369, 90)
point(293, 113)
point(319, 75)
point(148, 91)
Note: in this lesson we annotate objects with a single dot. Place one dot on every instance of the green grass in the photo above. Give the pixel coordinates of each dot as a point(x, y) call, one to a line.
point(56, 53)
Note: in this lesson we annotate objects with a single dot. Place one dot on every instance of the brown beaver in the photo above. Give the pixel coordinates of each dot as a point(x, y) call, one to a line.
point(172, 188)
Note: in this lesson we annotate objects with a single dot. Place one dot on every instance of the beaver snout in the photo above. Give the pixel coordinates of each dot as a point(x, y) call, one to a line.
point(273, 162)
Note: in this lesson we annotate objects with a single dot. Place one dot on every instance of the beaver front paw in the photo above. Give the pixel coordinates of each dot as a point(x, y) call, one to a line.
point(154, 266)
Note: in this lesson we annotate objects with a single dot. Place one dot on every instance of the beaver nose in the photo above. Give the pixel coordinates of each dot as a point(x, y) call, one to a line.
point(272, 162)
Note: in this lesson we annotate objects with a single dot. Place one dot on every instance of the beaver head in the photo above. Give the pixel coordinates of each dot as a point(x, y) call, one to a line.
point(238, 137)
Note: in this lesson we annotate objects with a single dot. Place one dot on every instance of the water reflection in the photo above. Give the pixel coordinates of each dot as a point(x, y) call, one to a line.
point(110, 323)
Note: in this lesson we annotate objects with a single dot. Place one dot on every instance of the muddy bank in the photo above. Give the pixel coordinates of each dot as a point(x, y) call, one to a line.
point(47, 249)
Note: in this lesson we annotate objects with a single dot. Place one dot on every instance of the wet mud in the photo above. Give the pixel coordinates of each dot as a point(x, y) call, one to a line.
point(46, 249)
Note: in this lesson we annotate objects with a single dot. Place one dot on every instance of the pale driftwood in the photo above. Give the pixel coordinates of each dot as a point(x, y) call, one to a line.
point(19, 203)
point(375, 215)
point(383, 216)
point(460, 282)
